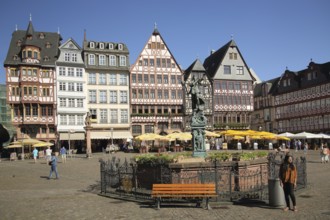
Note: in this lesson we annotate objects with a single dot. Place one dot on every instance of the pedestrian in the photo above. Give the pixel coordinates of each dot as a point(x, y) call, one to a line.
point(325, 155)
point(48, 154)
point(53, 166)
point(288, 177)
point(305, 147)
point(35, 154)
point(63, 154)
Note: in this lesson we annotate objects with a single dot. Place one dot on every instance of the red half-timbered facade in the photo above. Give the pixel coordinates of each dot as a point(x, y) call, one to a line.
point(30, 80)
point(232, 87)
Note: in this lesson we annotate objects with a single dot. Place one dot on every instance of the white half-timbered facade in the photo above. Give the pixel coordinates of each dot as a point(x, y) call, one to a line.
point(156, 90)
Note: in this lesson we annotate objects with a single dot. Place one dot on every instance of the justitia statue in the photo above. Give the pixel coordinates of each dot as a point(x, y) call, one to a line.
point(198, 119)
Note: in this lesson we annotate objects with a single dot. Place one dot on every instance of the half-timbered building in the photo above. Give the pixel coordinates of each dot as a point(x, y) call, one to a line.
point(302, 100)
point(156, 90)
point(232, 87)
point(197, 71)
point(30, 79)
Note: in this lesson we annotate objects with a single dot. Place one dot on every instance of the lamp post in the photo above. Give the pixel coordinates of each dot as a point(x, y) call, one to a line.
point(71, 131)
point(22, 155)
point(111, 137)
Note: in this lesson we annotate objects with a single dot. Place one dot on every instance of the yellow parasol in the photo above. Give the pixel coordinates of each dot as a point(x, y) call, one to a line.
point(43, 144)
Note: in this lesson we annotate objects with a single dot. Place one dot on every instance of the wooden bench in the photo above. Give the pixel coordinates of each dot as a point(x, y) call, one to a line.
point(197, 191)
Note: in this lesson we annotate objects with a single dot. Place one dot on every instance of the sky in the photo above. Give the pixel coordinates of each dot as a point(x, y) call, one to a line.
point(272, 35)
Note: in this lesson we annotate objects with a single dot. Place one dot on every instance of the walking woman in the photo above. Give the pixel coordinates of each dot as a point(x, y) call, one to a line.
point(288, 176)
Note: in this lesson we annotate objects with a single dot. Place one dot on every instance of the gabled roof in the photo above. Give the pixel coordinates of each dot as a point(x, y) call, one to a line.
point(53, 38)
point(156, 32)
point(68, 41)
point(213, 62)
point(272, 85)
point(196, 66)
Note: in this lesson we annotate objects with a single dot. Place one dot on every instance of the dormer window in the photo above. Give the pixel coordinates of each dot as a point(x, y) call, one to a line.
point(41, 35)
point(101, 45)
point(48, 45)
point(15, 57)
point(46, 58)
point(91, 44)
point(120, 47)
point(111, 46)
point(19, 43)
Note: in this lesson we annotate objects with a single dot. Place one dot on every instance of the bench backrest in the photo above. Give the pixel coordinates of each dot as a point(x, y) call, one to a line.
point(184, 189)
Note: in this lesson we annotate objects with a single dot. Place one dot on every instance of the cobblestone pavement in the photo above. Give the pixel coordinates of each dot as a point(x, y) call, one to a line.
point(25, 193)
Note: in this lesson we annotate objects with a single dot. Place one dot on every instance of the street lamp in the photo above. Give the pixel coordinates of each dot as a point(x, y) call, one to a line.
point(22, 155)
point(71, 131)
point(111, 136)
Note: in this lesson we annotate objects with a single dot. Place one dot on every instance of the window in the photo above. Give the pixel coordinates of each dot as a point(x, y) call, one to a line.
point(71, 103)
point(166, 94)
point(122, 61)
point(103, 116)
point(102, 60)
point(80, 87)
point(139, 78)
point(159, 79)
point(67, 57)
point(152, 79)
point(80, 103)
point(123, 96)
point(79, 72)
point(103, 96)
point(173, 94)
point(178, 79)
point(80, 120)
point(101, 46)
point(152, 93)
point(62, 86)
point(91, 60)
point(134, 93)
point(74, 57)
point(159, 94)
point(240, 70)
point(92, 78)
point(114, 116)
point(158, 62)
point(226, 69)
point(35, 55)
point(113, 79)
point(124, 116)
point(237, 86)
point(62, 71)
point(145, 62)
point(50, 111)
point(45, 92)
point(146, 93)
point(152, 62)
point(72, 120)
point(136, 129)
point(92, 96)
point(35, 110)
point(164, 63)
point(120, 47)
point(233, 56)
point(102, 79)
point(173, 79)
point(70, 86)
point(111, 46)
point(133, 78)
point(93, 113)
point(112, 61)
point(35, 91)
point(91, 44)
point(70, 71)
point(123, 79)
point(140, 91)
point(113, 96)
point(63, 120)
point(146, 78)
point(165, 79)
point(179, 94)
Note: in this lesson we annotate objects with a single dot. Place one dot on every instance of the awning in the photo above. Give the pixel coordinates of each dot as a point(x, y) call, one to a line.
point(107, 134)
point(73, 136)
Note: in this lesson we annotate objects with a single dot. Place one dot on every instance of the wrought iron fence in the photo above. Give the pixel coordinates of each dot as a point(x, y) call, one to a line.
point(128, 180)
